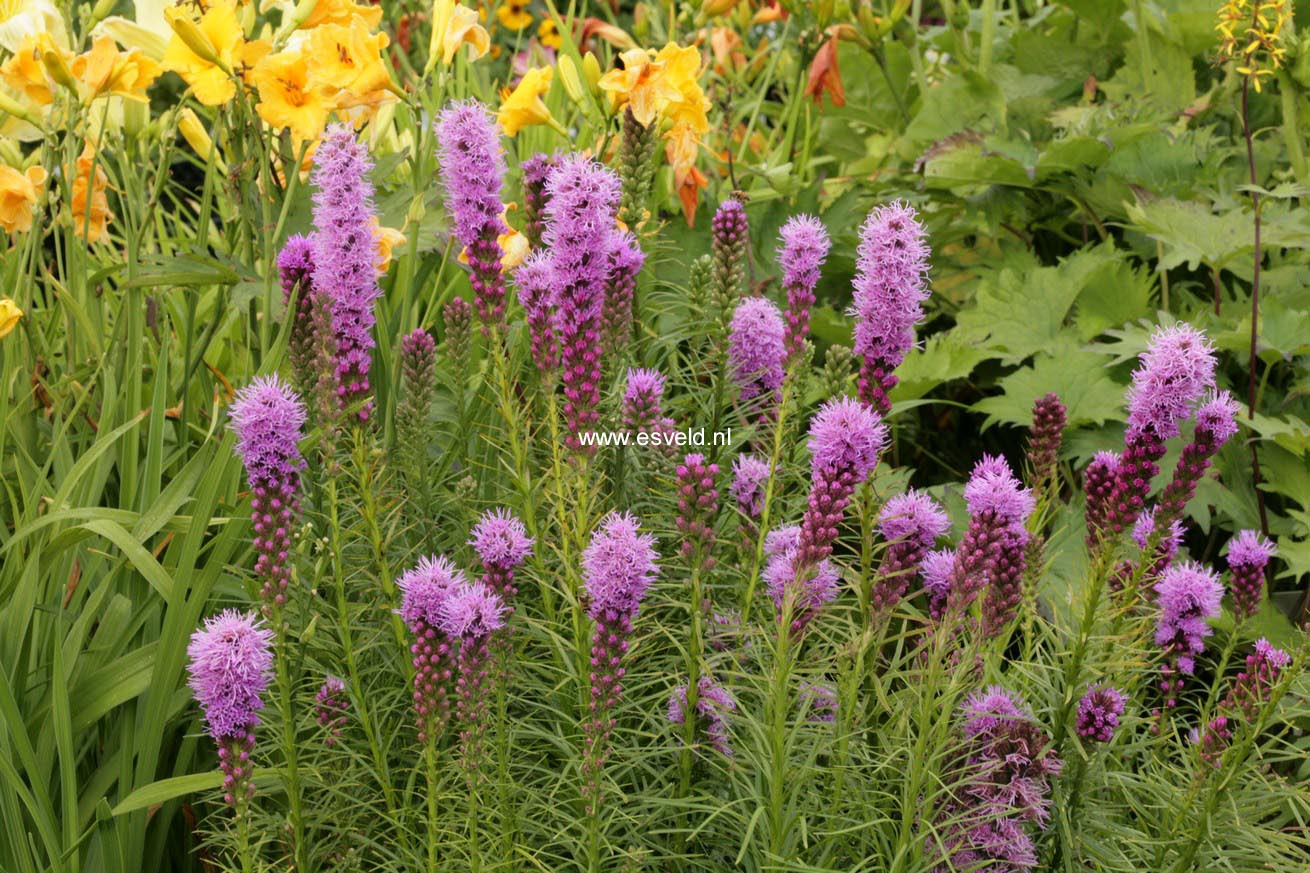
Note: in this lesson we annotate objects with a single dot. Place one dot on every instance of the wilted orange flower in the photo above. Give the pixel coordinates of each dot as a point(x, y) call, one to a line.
point(681, 148)
point(287, 97)
point(104, 70)
point(825, 77)
point(90, 206)
point(19, 192)
point(726, 44)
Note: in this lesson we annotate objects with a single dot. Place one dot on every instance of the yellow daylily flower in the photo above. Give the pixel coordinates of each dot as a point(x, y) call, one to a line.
point(514, 248)
point(19, 192)
point(523, 107)
point(455, 25)
point(287, 96)
point(205, 52)
point(104, 70)
point(10, 315)
point(25, 72)
point(514, 14)
point(90, 206)
point(346, 63)
point(663, 86)
point(20, 19)
point(386, 239)
point(341, 12)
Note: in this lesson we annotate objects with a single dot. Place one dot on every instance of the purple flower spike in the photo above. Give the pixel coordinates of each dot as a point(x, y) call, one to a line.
point(804, 248)
point(911, 524)
point(579, 230)
point(618, 567)
point(231, 660)
point(535, 280)
point(750, 476)
point(1045, 437)
point(1215, 424)
point(1248, 556)
point(330, 705)
point(698, 502)
point(936, 572)
point(1174, 371)
point(1250, 691)
point(991, 553)
point(1166, 548)
point(502, 542)
point(846, 439)
point(535, 171)
point(473, 171)
point(1098, 485)
point(626, 261)
point(1099, 712)
point(756, 351)
point(713, 706)
point(424, 592)
point(345, 257)
point(809, 588)
point(472, 613)
point(1188, 596)
point(643, 404)
point(295, 267)
point(1001, 775)
point(267, 418)
point(890, 289)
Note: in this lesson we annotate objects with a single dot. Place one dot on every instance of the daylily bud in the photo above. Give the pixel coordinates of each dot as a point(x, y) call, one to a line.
point(568, 76)
point(57, 67)
point(591, 70)
point(710, 8)
point(193, 131)
point(195, 38)
point(102, 9)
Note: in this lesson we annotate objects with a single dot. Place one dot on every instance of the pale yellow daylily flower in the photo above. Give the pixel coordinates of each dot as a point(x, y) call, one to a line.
point(9, 316)
point(455, 25)
point(21, 18)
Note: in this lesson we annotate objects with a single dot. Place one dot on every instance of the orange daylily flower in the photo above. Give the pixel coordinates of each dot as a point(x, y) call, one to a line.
point(825, 77)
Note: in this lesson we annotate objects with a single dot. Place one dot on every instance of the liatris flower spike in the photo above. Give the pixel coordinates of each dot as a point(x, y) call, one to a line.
point(502, 543)
point(1049, 420)
point(713, 706)
point(424, 591)
point(1174, 371)
point(1250, 690)
point(1099, 712)
point(626, 261)
point(580, 221)
point(471, 613)
point(231, 661)
point(1001, 776)
point(267, 418)
point(750, 476)
point(846, 439)
point(535, 170)
point(345, 257)
point(418, 365)
point(536, 286)
point(295, 267)
point(643, 404)
point(618, 567)
point(473, 171)
point(729, 240)
point(1098, 485)
point(756, 352)
point(911, 523)
point(1188, 596)
point(1248, 556)
point(804, 248)
point(991, 552)
point(890, 288)
point(698, 502)
point(330, 705)
point(1216, 422)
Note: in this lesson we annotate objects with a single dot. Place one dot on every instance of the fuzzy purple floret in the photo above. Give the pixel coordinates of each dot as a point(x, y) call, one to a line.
point(750, 476)
point(1188, 596)
point(810, 588)
point(268, 418)
point(756, 349)
point(345, 255)
point(846, 436)
point(1217, 415)
point(1250, 549)
point(472, 169)
point(471, 611)
point(1168, 545)
point(713, 706)
point(295, 264)
point(618, 566)
point(993, 488)
point(579, 230)
point(500, 539)
point(425, 589)
point(231, 661)
point(1099, 712)
point(1176, 368)
point(912, 516)
point(936, 572)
